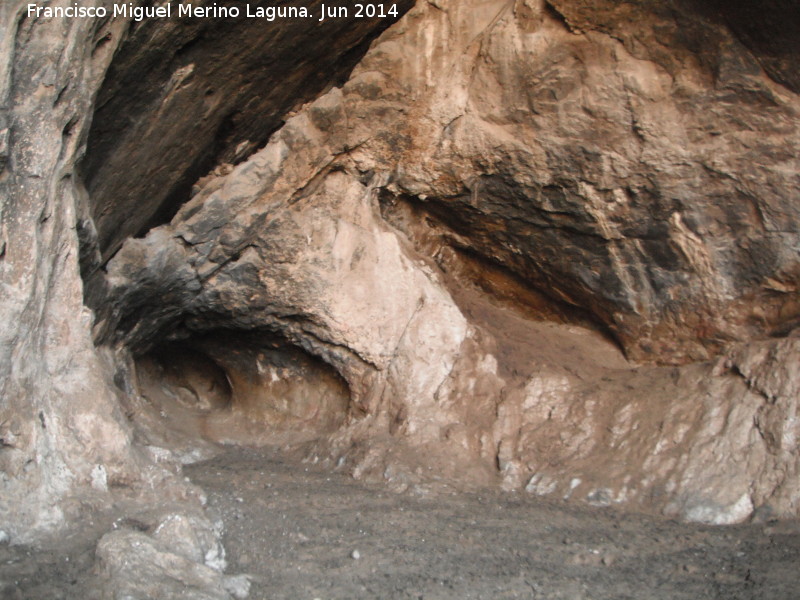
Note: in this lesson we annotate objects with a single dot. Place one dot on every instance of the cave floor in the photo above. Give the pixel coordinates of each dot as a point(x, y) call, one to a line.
point(296, 529)
point(302, 532)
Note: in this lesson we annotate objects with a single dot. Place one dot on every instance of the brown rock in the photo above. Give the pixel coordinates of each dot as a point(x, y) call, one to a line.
point(617, 181)
point(452, 256)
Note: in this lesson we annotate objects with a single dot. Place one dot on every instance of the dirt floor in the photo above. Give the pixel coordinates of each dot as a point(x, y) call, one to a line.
point(305, 533)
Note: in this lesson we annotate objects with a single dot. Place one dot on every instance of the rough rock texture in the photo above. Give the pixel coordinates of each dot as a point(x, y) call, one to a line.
point(233, 389)
point(181, 559)
point(55, 82)
point(768, 29)
point(643, 184)
point(63, 440)
point(215, 88)
point(620, 165)
point(439, 269)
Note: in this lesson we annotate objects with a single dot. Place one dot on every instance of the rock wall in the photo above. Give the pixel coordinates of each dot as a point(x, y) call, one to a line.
point(66, 442)
point(621, 167)
point(63, 441)
point(215, 88)
point(551, 246)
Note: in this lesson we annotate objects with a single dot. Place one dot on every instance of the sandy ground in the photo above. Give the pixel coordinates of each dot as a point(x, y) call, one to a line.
point(305, 533)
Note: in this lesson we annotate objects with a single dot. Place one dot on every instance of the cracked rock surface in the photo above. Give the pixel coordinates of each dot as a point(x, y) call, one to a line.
point(550, 247)
point(642, 193)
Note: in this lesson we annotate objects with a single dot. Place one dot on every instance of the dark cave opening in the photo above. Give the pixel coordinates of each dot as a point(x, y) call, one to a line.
point(191, 377)
point(241, 388)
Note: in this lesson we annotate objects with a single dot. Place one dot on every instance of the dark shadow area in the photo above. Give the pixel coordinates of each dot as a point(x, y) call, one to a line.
point(239, 388)
point(183, 95)
point(770, 29)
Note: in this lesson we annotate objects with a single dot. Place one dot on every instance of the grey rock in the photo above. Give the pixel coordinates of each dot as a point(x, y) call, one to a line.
point(134, 565)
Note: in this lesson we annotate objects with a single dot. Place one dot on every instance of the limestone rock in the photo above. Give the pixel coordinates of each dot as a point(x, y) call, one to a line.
point(545, 245)
point(135, 565)
point(64, 439)
point(560, 157)
point(216, 88)
point(618, 182)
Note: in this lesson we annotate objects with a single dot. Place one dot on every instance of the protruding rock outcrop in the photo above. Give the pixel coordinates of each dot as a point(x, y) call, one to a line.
point(572, 167)
point(65, 440)
point(546, 245)
point(186, 93)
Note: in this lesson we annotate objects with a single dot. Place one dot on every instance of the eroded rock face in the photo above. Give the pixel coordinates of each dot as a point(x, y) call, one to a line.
point(66, 445)
point(239, 389)
point(215, 88)
point(609, 163)
point(641, 185)
point(63, 440)
point(439, 269)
